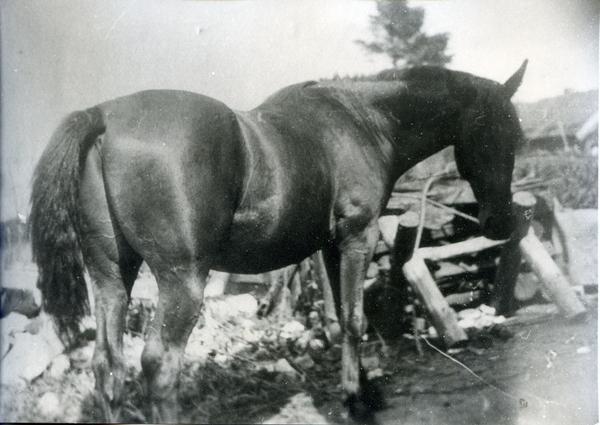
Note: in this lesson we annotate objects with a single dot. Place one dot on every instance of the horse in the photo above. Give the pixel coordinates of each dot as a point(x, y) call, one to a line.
point(184, 183)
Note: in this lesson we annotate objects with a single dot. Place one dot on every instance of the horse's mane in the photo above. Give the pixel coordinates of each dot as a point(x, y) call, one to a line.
point(427, 79)
point(429, 85)
point(426, 86)
point(355, 103)
point(343, 96)
point(427, 74)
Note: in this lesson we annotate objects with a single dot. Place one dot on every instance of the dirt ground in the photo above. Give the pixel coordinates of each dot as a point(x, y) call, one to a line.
point(534, 369)
point(545, 373)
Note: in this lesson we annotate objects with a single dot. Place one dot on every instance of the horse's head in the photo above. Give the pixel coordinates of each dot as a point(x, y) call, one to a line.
point(485, 150)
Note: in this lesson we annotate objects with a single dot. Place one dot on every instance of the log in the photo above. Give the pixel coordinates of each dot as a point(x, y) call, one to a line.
point(469, 246)
point(277, 280)
point(388, 226)
point(443, 317)
point(306, 274)
point(551, 277)
point(502, 299)
point(464, 299)
point(295, 285)
point(402, 245)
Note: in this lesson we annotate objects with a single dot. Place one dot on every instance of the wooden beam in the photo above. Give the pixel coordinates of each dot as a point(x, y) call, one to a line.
point(469, 246)
point(443, 317)
point(551, 277)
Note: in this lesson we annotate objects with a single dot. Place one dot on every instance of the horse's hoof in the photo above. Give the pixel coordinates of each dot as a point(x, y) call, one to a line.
point(372, 396)
point(360, 412)
point(362, 408)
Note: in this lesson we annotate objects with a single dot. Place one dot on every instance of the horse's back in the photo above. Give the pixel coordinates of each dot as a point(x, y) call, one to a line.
point(188, 178)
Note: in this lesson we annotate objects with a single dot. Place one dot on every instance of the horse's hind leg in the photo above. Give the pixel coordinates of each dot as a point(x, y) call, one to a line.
point(181, 290)
point(112, 283)
point(113, 267)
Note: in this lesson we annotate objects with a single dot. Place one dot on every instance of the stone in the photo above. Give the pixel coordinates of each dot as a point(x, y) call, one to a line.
point(132, 350)
point(299, 410)
point(292, 330)
point(244, 304)
point(49, 405)
point(283, 366)
point(372, 271)
point(59, 366)
point(305, 362)
point(469, 314)
point(487, 310)
point(251, 336)
point(34, 325)
point(375, 373)
point(384, 263)
point(12, 324)
point(301, 344)
point(222, 360)
point(81, 358)
point(370, 362)
point(22, 301)
point(316, 349)
point(28, 358)
point(215, 287)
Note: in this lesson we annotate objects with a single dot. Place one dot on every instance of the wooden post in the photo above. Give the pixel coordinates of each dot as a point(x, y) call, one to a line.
point(551, 276)
point(443, 317)
point(295, 284)
point(388, 227)
point(412, 268)
point(401, 251)
point(277, 281)
point(503, 299)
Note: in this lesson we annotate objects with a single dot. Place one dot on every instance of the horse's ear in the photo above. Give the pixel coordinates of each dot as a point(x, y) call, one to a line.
point(513, 83)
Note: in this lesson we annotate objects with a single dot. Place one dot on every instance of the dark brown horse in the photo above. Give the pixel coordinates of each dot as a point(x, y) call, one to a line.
point(184, 183)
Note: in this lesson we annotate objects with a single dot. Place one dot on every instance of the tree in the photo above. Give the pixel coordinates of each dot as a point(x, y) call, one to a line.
point(397, 31)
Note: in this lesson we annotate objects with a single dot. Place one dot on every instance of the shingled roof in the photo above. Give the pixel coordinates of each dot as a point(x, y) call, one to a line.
point(542, 120)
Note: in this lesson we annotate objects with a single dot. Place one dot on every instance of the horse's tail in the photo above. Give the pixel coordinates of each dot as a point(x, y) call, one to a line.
point(55, 221)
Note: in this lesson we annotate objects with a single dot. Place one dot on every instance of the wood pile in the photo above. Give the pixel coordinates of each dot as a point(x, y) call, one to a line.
point(453, 269)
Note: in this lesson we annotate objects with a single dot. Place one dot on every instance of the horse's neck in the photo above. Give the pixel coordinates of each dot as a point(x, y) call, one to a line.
point(414, 137)
point(412, 148)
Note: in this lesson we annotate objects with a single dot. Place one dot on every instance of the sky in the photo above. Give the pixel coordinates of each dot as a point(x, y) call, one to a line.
point(58, 56)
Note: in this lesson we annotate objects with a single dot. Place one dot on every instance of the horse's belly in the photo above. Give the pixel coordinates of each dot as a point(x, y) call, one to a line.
point(268, 238)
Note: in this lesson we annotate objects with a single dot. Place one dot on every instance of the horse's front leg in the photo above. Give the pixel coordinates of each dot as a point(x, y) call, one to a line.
point(356, 251)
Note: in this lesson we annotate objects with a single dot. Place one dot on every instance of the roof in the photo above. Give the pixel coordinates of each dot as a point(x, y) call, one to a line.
point(572, 110)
